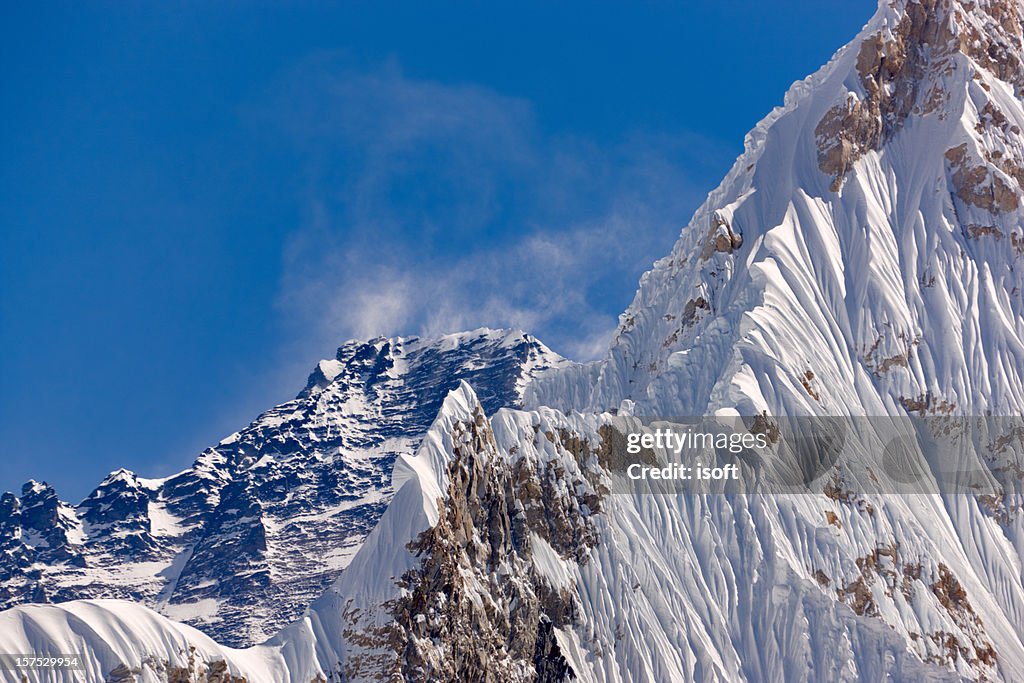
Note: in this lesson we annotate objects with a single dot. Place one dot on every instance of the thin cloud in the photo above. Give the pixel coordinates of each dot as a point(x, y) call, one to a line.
point(432, 208)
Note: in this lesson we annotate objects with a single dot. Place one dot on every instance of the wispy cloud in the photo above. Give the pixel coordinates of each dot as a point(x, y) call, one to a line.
point(433, 208)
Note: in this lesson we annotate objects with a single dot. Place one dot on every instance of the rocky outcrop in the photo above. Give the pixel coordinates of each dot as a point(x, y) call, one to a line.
point(895, 70)
point(448, 629)
point(721, 237)
point(901, 72)
point(477, 607)
point(262, 523)
point(976, 184)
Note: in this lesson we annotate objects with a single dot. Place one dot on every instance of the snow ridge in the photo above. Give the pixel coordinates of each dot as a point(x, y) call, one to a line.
point(262, 523)
point(860, 259)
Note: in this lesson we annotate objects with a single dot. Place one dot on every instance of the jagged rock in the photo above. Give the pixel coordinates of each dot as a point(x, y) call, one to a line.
point(858, 289)
point(240, 543)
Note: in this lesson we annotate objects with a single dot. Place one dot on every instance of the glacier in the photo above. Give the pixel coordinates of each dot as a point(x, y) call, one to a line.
point(859, 259)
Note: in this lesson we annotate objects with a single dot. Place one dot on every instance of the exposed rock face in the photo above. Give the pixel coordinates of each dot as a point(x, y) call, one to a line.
point(262, 523)
point(117, 515)
point(485, 531)
point(36, 530)
point(990, 34)
point(721, 238)
point(976, 185)
point(897, 72)
point(903, 70)
point(477, 606)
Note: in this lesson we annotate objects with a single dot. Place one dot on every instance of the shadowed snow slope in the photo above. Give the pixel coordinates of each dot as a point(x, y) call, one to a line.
point(861, 258)
point(239, 544)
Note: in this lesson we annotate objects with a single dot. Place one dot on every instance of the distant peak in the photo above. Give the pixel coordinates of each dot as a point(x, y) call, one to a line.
point(35, 488)
point(369, 358)
point(121, 475)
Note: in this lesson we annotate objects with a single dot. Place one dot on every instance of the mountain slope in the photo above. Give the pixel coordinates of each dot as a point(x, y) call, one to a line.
point(860, 259)
point(262, 523)
point(506, 554)
point(863, 258)
point(526, 562)
point(870, 230)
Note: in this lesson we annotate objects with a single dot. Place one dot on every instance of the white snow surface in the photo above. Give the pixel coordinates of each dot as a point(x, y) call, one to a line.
point(673, 592)
point(883, 294)
point(110, 633)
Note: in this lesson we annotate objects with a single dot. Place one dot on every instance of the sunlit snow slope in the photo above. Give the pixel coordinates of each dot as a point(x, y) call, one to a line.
point(861, 258)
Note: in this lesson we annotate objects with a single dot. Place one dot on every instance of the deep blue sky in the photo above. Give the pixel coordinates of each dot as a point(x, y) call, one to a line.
point(199, 200)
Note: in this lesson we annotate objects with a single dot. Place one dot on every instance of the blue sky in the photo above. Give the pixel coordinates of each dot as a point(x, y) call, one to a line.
point(199, 200)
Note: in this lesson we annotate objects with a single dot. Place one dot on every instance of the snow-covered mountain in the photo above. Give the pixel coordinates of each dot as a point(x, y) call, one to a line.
point(263, 522)
point(861, 258)
point(505, 556)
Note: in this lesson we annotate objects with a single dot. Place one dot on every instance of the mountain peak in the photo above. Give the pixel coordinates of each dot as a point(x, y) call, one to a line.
point(375, 360)
point(884, 195)
point(911, 60)
point(35, 488)
point(280, 505)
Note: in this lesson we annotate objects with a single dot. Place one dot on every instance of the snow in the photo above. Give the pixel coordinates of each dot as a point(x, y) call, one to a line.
point(330, 369)
point(202, 610)
point(550, 564)
point(162, 522)
point(131, 635)
point(863, 298)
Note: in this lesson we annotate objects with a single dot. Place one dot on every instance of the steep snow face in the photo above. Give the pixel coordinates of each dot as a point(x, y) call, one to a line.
point(862, 257)
point(264, 521)
point(870, 235)
point(505, 555)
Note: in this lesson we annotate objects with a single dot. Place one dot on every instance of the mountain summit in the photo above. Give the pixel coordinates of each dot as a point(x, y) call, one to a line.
point(869, 234)
point(262, 523)
point(861, 258)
